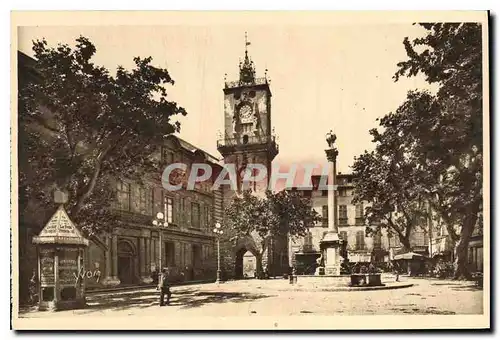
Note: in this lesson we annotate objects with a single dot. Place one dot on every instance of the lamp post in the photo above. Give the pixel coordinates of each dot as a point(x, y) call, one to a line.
point(218, 232)
point(161, 221)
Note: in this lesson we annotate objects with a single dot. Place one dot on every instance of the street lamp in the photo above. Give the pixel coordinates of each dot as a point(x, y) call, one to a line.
point(218, 232)
point(161, 221)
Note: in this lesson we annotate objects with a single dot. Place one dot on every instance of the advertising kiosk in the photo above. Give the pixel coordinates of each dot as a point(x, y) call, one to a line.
point(61, 249)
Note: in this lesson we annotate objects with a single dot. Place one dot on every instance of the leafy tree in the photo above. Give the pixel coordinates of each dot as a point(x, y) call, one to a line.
point(262, 218)
point(387, 178)
point(444, 132)
point(80, 127)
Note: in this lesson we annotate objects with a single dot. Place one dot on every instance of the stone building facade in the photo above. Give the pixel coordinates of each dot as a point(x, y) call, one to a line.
point(131, 254)
point(361, 247)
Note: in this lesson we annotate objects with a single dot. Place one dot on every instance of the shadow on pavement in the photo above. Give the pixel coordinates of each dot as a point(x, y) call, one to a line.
point(422, 311)
point(186, 301)
point(183, 298)
point(467, 288)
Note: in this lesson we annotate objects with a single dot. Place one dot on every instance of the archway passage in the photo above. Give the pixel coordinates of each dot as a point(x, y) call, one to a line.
point(126, 268)
point(245, 264)
point(249, 265)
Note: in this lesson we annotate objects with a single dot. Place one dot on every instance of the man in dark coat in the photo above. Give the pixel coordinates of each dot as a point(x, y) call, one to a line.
point(164, 287)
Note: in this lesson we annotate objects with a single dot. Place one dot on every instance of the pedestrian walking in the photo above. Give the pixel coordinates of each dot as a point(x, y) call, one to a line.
point(164, 287)
point(396, 271)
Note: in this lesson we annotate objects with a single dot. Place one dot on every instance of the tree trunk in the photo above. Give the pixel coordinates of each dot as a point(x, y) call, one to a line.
point(461, 258)
point(264, 247)
point(405, 241)
point(90, 187)
point(258, 268)
point(88, 190)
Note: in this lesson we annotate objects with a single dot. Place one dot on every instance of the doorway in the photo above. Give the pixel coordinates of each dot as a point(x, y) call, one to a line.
point(245, 264)
point(249, 265)
point(126, 262)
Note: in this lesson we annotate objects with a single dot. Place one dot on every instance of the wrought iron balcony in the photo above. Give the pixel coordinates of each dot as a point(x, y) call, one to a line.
point(133, 217)
point(257, 81)
point(360, 221)
point(229, 145)
point(343, 221)
point(245, 140)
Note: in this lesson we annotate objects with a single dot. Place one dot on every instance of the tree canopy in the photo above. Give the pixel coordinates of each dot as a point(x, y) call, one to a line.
point(439, 136)
point(81, 126)
point(277, 214)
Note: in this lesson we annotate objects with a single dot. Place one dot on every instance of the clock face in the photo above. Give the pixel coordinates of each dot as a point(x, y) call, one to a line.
point(246, 112)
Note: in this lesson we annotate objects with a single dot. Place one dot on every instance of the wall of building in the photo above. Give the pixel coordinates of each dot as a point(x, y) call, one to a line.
point(351, 225)
point(131, 254)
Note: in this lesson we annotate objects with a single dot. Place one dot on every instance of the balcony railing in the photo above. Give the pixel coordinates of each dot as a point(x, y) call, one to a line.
point(257, 81)
point(134, 217)
point(360, 221)
point(307, 248)
point(244, 140)
point(343, 221)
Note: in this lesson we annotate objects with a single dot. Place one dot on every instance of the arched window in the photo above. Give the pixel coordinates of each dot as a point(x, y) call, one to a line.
point(125, 248)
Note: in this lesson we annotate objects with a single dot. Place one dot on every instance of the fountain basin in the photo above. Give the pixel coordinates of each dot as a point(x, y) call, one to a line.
point(347, 280)
point(366, 280)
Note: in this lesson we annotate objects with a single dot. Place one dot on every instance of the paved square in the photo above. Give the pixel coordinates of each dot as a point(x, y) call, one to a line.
point(276, 297)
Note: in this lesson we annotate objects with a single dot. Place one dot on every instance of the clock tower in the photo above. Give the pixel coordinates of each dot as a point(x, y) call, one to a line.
point(248, 136)
point(249, 139)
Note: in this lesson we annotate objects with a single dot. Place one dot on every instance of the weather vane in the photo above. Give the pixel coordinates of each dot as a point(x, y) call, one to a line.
point(247, 43)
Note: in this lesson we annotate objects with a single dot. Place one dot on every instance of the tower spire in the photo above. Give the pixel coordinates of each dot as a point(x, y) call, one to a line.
point(247, 69)
point(246, 45)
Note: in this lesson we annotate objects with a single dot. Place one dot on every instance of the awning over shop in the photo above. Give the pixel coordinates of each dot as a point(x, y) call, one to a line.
point(408, 256)
point(359, 257)
point(441, 246)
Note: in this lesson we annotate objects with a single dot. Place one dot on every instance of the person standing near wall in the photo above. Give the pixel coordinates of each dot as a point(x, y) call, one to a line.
point(164, 287)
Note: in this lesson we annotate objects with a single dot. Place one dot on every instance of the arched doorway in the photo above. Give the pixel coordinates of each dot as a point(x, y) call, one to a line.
point(249, 265)
point(126, 263)
point(245, 264)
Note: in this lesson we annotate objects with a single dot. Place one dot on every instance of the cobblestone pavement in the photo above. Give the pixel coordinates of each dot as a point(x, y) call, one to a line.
point(260, 297)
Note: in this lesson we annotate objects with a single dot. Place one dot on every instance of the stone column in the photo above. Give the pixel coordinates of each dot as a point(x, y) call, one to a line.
point(145, 278)
point(152, 252)
point(107, 257)
point(332, 197)
point(109, 280)
point(330, 242)
point(159, 250)
point(114, 254)
point(147, 265)
point(142, 255)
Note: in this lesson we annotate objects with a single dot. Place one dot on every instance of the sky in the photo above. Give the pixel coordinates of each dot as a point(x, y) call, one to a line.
point(323, 77)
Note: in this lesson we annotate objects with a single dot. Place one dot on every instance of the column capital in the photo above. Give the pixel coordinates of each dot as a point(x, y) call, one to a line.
point(331, 154)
